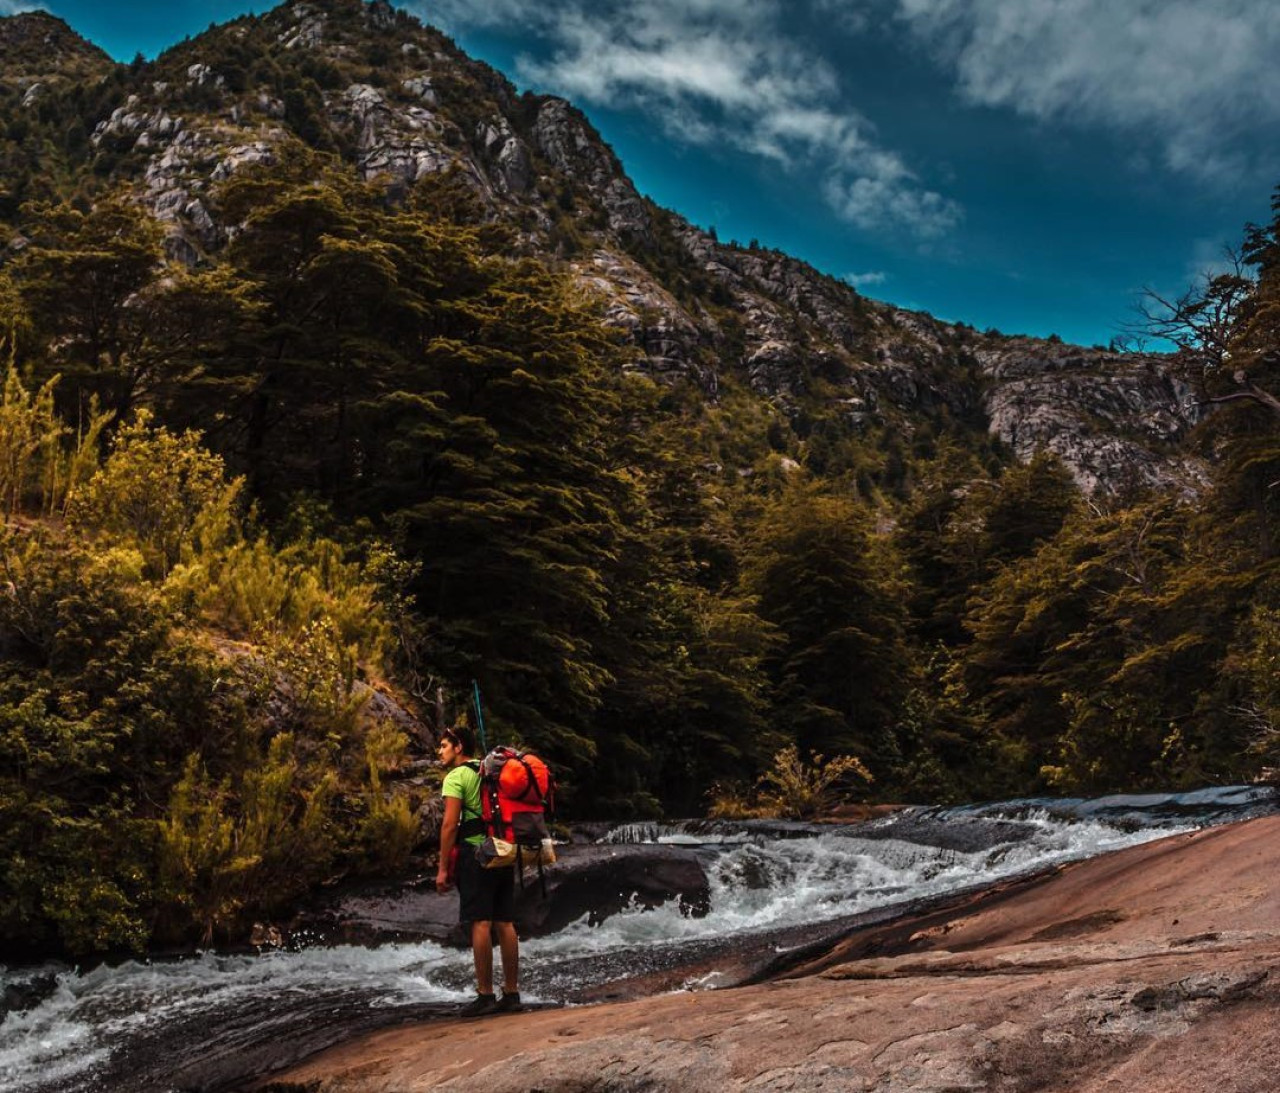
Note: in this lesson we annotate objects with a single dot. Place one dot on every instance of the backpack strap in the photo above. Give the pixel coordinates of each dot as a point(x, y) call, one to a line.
point(533, 781)
point(474, 824)
point(542, 875)
point(493, 822)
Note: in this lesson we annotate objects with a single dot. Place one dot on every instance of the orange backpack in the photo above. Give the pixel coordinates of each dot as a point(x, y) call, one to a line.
point(517, 793)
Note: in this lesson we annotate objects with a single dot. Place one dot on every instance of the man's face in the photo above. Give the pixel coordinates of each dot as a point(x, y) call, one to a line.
point(447, 752)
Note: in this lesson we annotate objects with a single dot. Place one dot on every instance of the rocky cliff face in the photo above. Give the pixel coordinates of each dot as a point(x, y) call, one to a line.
point(401, 103)
point(1113, 418)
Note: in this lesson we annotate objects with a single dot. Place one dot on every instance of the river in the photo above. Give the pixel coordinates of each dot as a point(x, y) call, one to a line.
point(210, 1021)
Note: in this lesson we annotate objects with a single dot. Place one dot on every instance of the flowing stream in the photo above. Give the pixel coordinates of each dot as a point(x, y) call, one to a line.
point(211, 1021)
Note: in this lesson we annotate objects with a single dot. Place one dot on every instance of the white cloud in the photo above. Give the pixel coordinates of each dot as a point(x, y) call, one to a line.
point(1208, 258)
point(1190, 78)
point(719, 72)
point(864, 280)
point(16, 7)
point(869, 202)
point(847, 16)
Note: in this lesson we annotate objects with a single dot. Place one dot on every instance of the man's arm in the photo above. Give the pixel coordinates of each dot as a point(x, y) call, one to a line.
point(448, 839)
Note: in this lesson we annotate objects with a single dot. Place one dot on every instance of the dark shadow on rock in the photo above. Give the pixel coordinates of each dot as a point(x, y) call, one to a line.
point(594, 882)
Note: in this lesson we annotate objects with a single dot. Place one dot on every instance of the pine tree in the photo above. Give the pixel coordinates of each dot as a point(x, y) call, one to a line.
point(830, 587)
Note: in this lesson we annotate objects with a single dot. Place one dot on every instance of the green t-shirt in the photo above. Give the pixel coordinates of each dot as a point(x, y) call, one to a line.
point(464, 783)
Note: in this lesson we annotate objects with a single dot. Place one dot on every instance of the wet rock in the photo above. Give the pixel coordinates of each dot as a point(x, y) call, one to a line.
point(379, 914)
point(973, 1001)
point(596, 882)
point(19, 995)
point(591, 882)
point(949, 832)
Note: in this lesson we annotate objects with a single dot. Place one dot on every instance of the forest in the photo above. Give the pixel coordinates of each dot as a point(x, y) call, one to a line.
point(373, 446)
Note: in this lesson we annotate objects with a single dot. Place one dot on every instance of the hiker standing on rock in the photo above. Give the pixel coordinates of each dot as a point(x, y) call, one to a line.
point(486, 897)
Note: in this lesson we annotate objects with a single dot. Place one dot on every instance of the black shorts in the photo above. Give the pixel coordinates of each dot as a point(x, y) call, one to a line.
point(484, 895)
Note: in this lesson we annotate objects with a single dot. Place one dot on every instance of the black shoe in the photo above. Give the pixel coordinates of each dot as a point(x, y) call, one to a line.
point(509, 1003)
point(480, 1005)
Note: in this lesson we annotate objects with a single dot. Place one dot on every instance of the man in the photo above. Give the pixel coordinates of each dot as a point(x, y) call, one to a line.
point(486, 897)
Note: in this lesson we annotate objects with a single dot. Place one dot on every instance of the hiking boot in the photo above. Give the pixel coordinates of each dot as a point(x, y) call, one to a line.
point(509, 1003)
point(480, 1005)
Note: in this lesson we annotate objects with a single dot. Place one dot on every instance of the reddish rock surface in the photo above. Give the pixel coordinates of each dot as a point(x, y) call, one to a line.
point(1152, 970)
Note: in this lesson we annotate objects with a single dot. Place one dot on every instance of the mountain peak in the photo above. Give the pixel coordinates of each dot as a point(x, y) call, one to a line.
point(35, 45)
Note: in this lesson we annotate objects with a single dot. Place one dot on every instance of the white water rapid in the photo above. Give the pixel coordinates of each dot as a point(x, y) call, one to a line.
point(76, 1031)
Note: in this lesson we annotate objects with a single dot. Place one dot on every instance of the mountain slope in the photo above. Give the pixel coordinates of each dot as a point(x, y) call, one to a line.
point(36, 46)
point(401, 104)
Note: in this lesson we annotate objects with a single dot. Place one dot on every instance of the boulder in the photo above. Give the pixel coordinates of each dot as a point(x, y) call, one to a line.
point(598, 881)
point(592, 882)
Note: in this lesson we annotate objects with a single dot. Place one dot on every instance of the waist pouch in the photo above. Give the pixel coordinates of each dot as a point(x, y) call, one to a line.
point(495, 853)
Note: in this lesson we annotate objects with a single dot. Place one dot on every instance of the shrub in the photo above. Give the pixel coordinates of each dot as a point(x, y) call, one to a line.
point(318, 670)
point(227, 846)
point(40, 462)
point(254, 589)
point(162, 492)
point(732, 801)
point(792, 788)
point(390, 828)
point(801, 789)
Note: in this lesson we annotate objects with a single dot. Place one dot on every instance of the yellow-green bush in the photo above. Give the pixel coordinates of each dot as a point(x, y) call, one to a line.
point(794, 788)
point(390, 827)
point(804, 788)
point(41, 460)
point(252, 588)
point(155, 781)
point(162, 492)
point(252, 841)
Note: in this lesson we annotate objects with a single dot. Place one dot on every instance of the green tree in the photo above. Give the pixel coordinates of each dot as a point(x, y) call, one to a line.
point(84, 281)
point(1096, 660)
point(831, 587)
point(336, 289)
point(511, 502)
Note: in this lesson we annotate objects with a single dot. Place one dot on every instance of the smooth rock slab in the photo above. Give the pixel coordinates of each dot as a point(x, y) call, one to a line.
point(1167, 982)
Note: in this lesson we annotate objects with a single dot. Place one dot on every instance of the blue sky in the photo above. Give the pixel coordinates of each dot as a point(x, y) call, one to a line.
point(1023, 164)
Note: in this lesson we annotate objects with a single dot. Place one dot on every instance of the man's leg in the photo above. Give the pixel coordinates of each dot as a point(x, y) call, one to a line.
point(509, 943)
point(482, 953)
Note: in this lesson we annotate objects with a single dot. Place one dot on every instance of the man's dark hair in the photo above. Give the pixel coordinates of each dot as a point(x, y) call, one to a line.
point(462, 736)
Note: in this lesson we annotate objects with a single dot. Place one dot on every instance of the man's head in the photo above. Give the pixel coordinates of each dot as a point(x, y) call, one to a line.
point(455, 746)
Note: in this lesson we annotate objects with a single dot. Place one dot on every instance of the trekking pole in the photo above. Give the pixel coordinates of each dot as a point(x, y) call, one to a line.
point(475, 693)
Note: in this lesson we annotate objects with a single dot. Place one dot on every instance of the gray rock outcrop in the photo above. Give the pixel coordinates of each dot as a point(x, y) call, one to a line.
point(1041, 391)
